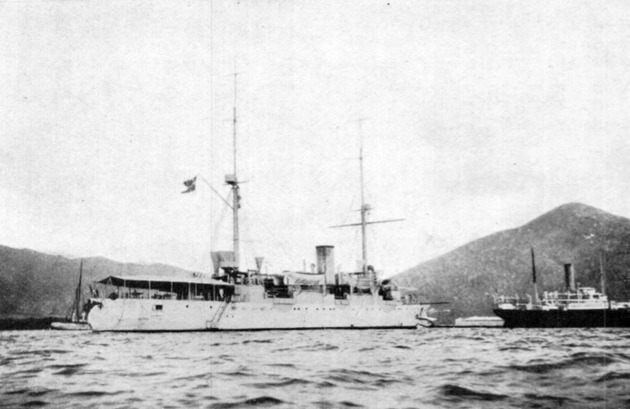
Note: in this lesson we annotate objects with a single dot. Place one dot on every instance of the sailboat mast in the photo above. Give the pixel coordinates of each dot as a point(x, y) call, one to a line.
point(235, 188)
point(536, 299)
point(77, 295)
point(602, 273)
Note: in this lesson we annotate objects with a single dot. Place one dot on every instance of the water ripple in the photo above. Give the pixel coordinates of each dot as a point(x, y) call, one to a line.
point(456, 392)
point(438, 368)
point(260, 402)
point(540, 366)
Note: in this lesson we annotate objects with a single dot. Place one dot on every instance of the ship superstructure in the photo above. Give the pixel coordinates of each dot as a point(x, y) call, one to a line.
point(233, 299)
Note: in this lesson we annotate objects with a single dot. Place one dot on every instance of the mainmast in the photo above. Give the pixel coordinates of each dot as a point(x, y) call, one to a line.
point(365, 209)
point(232, 180)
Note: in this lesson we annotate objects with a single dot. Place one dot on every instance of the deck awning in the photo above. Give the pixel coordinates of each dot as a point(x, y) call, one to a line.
point(161, 283)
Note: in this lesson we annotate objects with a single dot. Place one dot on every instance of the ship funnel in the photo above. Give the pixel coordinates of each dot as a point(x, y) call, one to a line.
point(259, 263)
point(222, 259)
point(326, 262)
point(569, 277)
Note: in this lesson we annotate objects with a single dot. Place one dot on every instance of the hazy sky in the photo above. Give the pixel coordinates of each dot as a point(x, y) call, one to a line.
point(480, 116)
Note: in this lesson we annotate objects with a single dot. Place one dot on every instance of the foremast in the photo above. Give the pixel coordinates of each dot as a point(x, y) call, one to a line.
point(232, 180)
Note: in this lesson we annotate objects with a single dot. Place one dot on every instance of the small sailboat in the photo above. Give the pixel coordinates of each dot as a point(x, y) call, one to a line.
point(74, 320)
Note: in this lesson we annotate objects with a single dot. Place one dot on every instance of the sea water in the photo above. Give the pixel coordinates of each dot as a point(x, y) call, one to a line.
point(426, 368)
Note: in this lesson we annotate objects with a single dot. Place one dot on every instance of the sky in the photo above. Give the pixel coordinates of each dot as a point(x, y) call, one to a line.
point(476, 116)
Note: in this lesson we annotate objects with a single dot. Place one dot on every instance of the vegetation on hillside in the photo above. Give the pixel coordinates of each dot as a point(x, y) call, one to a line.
point(41, 285)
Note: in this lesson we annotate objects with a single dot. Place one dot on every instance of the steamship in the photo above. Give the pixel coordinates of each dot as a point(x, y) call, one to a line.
point(576, 306)
point(233, 298)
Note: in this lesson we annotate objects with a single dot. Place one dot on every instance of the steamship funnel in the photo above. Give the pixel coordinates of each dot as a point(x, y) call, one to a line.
point(569, 277)
point(326, 262)
point(259, 263)
point(222, 259)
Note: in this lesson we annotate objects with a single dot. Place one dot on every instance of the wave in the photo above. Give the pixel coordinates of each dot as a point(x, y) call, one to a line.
point(193, 377)
point(515, 349)
point(260, 402)
point(611, 376)
point(352, 376)
point(68, 371)
point(348, 404)
point(345, 404)
point(257, 341)
point(90, 394)
point(325, 384)
point(402, 347)
point(577, 359)
point(136, 374)
point(284, 382)
point(29, 392)
point(282, 365)
point(557, 401)
point(367, 379)
point(40, 352)
point(316, 347)
point(460, 393)
point(34, 404)
point(237, 373)
point(28, 371)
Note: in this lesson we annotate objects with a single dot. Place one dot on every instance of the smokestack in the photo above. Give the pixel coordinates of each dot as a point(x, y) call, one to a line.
point(222, 259)
point(569, 277)
point(326, 262)
point(259, 263)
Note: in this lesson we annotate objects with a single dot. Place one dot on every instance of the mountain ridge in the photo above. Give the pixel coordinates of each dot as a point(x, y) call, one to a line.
point(37, 285)
point(500, 263)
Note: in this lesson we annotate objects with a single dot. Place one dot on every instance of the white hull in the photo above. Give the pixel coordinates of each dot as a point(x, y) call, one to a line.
point(272, 314)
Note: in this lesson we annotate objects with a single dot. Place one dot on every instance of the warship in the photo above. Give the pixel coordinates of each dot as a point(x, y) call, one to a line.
point(233, 298)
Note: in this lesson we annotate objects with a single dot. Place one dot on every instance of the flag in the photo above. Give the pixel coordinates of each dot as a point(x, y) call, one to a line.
point(190, 185)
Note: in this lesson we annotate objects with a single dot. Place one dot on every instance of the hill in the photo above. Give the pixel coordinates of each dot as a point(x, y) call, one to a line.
point(38, 285)
point(501, 263)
